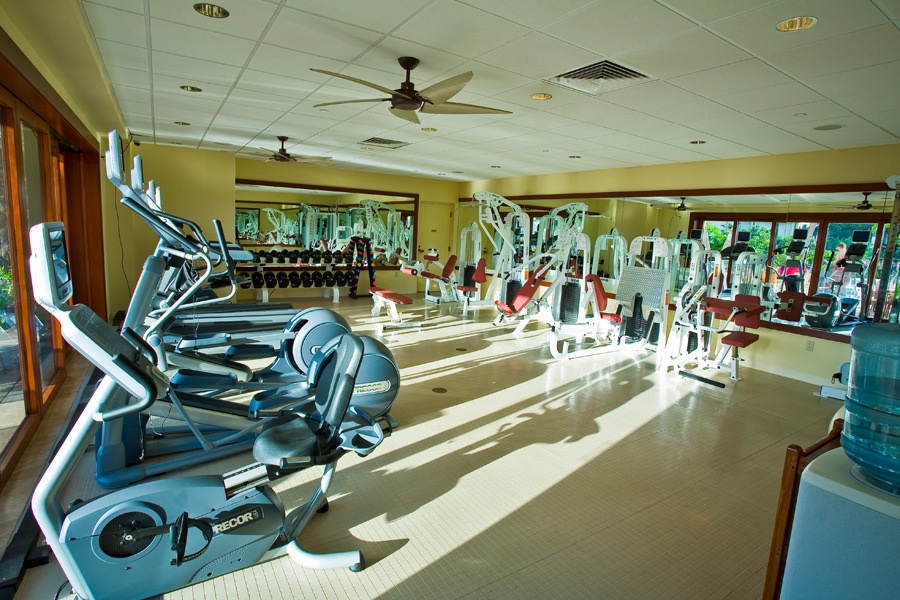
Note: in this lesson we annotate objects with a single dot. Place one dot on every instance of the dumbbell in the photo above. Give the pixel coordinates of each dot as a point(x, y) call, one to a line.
point(256, 256)
point(340, 279)
point(348, 257)
point(328, 278)
point(304, 257)
point(282, 278)
point(270, 279)
point(317, 278)
point(294, 256)
point(327, 256)
point(281, 256)
point(306, 279)
point(352, 279)
point(256, 279)
point(294, 279)
point(316, 257)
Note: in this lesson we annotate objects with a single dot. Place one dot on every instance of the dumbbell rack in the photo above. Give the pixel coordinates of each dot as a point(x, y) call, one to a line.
point(295, 269)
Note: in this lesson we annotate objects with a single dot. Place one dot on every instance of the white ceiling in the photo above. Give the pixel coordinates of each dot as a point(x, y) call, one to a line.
point(718, 71)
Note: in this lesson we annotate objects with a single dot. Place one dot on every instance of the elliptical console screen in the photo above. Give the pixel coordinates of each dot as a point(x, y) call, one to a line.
point(743, 236)
point(801, 234)
point(59, 259)
point(861, 236)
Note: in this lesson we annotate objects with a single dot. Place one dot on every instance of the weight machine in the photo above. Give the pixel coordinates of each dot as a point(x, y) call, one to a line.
point(508, 228)
point(616, 248)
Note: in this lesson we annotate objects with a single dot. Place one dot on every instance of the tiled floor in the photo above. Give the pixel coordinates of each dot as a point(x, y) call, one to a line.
point(514, 475)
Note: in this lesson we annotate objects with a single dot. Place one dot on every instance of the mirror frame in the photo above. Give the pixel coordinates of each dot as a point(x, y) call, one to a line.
point(406, 198)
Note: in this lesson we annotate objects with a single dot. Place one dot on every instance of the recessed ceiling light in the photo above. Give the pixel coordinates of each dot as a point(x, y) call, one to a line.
point(698, 142)
point(541, 96)
point(182, 123)
point(545, 150)
point(211, 10)
point(495, 166)
point(831, 127)
point(441, 173)
point(190, 88)
point(429, 129)
point(574, 156)
point(796, 24)
point(365, 148)
point(798, 115)
point(458, 172)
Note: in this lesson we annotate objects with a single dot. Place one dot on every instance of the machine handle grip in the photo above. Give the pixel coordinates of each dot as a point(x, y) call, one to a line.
point(147, 398)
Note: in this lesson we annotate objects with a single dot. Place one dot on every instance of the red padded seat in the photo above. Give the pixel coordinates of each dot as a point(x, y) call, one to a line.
point(739, 339)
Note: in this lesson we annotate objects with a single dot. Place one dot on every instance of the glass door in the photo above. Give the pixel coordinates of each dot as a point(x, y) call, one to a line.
point(12, 398)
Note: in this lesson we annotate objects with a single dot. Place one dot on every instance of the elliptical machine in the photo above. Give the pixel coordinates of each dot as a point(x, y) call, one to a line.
point(159, 536)
point(828, 310)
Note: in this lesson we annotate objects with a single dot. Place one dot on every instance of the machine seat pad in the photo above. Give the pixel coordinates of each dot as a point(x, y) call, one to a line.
point(409, 271)
point(391, 296)
point(740, 339)
point(285, 437)
point(611, 317)
point(467, 288)
point(428, 275)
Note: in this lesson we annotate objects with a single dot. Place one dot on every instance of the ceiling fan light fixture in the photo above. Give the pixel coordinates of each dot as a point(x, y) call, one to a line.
point(212, 11)
point(190, 88)
point(796, 24)
point(495, 166)
point(541, 96)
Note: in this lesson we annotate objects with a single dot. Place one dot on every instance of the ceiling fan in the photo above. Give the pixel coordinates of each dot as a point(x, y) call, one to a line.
point(864, 205)
point(406, 100)
point(282, 155)
point(681, 207)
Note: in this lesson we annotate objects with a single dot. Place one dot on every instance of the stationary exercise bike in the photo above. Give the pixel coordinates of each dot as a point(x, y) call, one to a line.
point(155, 537)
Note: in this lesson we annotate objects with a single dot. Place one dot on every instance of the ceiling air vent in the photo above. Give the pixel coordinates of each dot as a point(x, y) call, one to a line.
point(604, 76)
point(384, 143)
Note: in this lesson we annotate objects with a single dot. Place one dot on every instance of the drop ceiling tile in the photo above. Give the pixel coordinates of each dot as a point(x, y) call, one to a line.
point(243, 97)
point(172, 85)
point(389, 14)
point(582, 131)
point(800, 113)
point(240, 123)
point(888, 120)
point(689, 112)
point(128, 77)
point(755, 31)
point(540, 120)
point(248, 18)
point(709, 11)
point(200, 44)
point(307, 122)
point(116, 25)
point(123, 55)
point(648, 96)
point(854, 127)
point(258, 113)
point(189, 69)
point(530, 14)
point(135, 6)
point(730, 79)
point(534, 140)
point(210, 105)
point(539, 55)
point(267, 83)
point(132, 94)
point(308, 33)
point(617, 26)
point(488, 80)
point(168, 115)
point(630, 121)
point(777, 141)
point(776, 96)
point(521, 96)
point(666, 133)
point(693, 51)
point(290, 63)
point(874, 79)
point(447, 25)
point(857, 50)
point(617, 140)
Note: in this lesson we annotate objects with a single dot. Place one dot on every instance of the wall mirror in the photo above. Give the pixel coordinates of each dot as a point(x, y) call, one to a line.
point(311, 217)
point(835, 219)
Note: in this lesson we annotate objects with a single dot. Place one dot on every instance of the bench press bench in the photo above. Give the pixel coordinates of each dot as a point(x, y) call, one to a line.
point(382, 298)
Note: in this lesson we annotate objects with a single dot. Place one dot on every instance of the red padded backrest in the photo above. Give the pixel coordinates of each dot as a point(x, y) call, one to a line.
point(795, 302)
point(528, 289)
point(596, 285)
point(479, 275)
point(746, 301)
point(448, 268)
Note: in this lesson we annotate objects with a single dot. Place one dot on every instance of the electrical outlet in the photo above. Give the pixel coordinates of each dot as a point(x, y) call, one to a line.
point(810, 345)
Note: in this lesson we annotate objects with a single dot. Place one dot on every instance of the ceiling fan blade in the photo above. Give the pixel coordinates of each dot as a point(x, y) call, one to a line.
point(351, 102)
point(446, 89)
point(456, 108)
point(374, 86)
point(409, 115)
